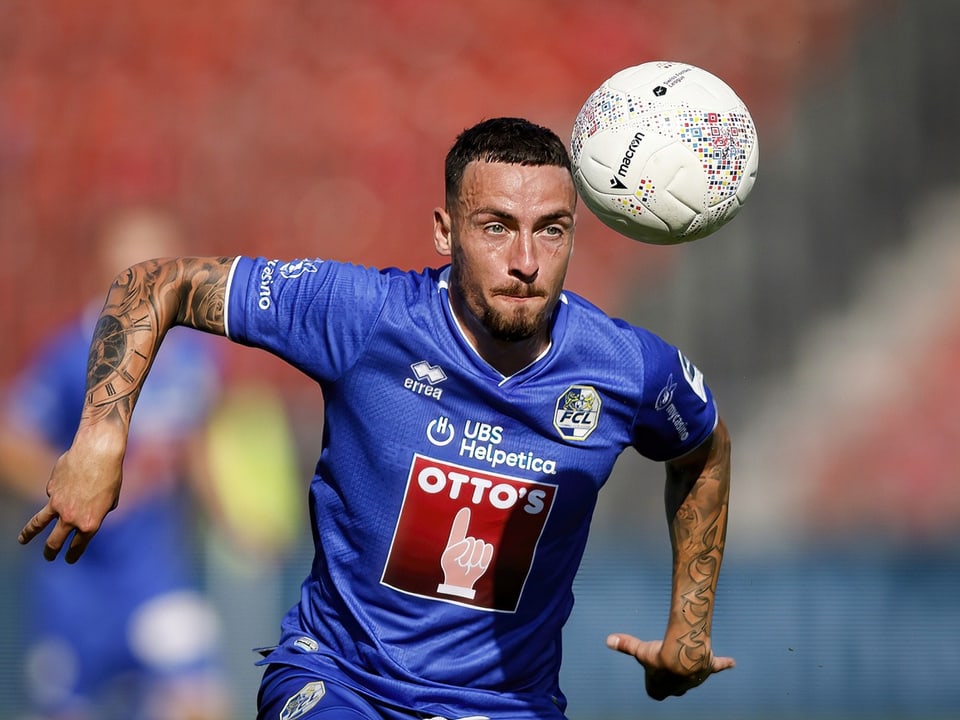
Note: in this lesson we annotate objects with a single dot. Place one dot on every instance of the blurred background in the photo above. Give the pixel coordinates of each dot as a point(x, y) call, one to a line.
point(826, 316)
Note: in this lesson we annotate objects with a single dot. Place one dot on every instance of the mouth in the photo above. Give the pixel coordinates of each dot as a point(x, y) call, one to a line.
point(520, 302)
point(521, 293)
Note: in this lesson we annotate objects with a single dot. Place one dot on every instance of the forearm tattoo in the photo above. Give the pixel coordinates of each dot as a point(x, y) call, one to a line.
point(698, 534)
point(143, 303)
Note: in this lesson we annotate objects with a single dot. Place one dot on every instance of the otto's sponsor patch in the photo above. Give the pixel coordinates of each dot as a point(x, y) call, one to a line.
point(466, 535)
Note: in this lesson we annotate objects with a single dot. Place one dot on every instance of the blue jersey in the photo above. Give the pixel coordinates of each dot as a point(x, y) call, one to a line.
point(86, 611)
point(451, 504)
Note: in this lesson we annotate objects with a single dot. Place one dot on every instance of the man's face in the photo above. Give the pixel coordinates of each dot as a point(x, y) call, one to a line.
point(510, 237)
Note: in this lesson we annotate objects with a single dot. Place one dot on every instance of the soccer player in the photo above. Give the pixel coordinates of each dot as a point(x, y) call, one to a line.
point(126, 633)
point(472, 413)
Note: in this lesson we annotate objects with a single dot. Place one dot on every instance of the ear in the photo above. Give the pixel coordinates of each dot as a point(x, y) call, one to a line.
point(441, 231)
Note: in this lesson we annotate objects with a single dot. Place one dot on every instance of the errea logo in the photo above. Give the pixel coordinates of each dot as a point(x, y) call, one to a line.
point(425, 379)
point(577, 412)
point(433, 374)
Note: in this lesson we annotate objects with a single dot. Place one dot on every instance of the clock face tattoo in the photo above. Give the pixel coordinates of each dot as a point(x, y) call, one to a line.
point(114, 344)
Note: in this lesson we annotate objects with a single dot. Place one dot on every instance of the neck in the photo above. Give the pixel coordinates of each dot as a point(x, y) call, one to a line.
point(507, 357)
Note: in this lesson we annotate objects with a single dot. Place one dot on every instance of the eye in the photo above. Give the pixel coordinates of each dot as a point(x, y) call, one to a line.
point(495, 228)
point(554, 232)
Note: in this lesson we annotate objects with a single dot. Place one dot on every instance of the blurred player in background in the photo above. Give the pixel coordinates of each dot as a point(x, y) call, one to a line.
point(125, 634)
point(471, 415)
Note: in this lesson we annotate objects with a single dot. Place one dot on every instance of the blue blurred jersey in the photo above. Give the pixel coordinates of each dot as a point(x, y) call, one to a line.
point(46, 399)
point(87, 611)
point(451, 504)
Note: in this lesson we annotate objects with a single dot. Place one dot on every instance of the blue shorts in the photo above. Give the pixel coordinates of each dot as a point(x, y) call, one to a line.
point(292, 693)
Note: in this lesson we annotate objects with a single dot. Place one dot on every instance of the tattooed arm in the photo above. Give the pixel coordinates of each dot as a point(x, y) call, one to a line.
point(143, 303)
point(696, 497)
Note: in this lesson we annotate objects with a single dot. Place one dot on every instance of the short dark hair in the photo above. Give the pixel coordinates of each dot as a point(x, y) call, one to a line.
point(503, 140)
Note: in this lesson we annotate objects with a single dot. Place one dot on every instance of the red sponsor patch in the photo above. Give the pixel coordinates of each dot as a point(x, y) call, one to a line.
point(465, 535)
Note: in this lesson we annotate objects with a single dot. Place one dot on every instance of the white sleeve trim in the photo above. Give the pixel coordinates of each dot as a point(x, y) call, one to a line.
point(226, 299)
point(716, 421)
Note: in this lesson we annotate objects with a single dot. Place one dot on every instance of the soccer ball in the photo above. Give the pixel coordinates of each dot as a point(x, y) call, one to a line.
point(664, 153)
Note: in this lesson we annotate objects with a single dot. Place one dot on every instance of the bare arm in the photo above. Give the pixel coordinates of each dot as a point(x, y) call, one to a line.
point(143, 303)
point(696, 498)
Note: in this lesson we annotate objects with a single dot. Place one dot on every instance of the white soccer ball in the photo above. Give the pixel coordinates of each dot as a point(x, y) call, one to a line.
point(664, 153)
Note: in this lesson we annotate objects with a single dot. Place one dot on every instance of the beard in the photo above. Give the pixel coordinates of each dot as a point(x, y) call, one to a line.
point(514, 324)
point(511, 326)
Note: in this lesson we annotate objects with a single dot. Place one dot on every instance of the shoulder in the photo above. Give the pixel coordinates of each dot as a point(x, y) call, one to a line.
point(292, 307)
point(624, 353)
point(589, 324)
point(319, 270)
point(259, 282)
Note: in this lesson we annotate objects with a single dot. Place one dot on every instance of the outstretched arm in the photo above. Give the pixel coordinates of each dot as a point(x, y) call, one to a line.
point(143, 303)
point(697, 494)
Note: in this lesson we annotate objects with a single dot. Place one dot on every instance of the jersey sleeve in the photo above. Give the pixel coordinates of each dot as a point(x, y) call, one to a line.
point(315, 314)
point(677, 411)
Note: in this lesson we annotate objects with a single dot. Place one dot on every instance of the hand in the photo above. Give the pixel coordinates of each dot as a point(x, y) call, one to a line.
point(662, 679)
point(83, 487)
point(465, 559)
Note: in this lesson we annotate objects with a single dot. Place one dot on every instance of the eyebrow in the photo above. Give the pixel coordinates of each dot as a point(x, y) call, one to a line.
point(502, 214)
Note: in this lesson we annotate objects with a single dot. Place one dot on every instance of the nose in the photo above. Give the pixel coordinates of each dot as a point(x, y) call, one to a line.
point(524, 263)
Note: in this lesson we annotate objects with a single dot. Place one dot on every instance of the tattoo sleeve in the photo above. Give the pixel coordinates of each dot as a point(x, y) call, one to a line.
point(697, 498)
point(143, 303)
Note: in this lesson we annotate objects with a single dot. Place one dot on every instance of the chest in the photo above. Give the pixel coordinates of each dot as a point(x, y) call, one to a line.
point(563, 424)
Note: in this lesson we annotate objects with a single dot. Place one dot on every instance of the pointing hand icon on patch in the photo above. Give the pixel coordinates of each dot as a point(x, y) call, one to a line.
point(464, 560)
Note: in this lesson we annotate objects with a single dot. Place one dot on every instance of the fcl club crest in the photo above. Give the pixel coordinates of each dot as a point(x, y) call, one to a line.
point(577, 412)
point(298, 705)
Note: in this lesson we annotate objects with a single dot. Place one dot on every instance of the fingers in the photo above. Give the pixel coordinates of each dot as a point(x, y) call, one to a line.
point(458, 531)
point(646, 651)
point(643, 650)
point(36, 524)
point(487, 556)
point(722, 663)
point(660, 686)
point(455, 552)
point(77, 546)
point(55, 540)
point(58, 536)
point(661, 682)
point(469, 553)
